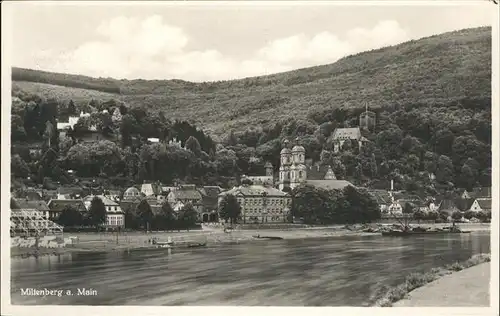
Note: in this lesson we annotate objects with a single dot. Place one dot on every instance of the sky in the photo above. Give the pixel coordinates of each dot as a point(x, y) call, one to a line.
point(207, 42)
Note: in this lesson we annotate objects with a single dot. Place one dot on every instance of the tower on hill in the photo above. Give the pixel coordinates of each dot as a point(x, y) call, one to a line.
point(367, 120)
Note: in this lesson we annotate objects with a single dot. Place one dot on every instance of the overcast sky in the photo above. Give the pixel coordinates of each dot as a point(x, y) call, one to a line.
point(217, 42)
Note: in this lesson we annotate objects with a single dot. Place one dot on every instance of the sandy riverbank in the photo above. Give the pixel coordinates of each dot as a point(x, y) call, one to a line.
point(103, 242)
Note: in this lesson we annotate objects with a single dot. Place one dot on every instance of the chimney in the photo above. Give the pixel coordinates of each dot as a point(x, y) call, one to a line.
point(392, 185)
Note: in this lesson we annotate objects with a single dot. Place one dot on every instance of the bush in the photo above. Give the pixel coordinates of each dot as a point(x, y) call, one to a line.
point(469, 214)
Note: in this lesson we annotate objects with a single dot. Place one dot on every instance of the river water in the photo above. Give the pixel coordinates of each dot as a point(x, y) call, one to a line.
point(347, 271)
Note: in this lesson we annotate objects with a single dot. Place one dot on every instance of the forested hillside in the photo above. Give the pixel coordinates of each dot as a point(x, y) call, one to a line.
point(432, 98)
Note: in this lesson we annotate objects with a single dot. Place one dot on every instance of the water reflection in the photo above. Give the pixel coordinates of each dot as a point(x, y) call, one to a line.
point(323, 272)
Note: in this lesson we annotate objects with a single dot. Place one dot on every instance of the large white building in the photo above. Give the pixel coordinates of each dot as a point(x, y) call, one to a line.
point(114, 214)
point(261, 204)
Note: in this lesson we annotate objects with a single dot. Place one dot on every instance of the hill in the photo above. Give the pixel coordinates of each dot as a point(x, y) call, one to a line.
point(437, 71)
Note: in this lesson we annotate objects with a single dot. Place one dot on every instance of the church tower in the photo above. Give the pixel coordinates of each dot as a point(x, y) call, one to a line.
point(298, 168)
point(285, 164)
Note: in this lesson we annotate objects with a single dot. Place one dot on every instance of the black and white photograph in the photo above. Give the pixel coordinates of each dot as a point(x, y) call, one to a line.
point(249, 153)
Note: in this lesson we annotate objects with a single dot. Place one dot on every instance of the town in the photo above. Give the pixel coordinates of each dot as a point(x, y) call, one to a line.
point(262, 199)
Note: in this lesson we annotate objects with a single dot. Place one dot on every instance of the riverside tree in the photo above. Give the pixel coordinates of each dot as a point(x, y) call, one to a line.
point(145, 214)
point(97, 212)
point(188, 216)
point(229, 209)
point(70, 217)
point(166, 218)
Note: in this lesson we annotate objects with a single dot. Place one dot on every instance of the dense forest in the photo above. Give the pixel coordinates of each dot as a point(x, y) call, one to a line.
point(431, 98)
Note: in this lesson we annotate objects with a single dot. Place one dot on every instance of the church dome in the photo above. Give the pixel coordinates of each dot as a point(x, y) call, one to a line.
point(285, 151)
point(298, 148)
point(131, 193)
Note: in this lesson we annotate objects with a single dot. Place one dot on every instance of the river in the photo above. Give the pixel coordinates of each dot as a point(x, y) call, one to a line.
point(347, 271)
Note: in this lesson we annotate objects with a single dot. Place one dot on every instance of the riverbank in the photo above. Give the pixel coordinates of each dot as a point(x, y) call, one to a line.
point(104, 242)
point(458, 284)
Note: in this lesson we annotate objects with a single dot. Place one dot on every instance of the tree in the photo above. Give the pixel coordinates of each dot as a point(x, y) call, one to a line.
point(419, 215)
point(229, 208)
point(166, 218)
point(145, 213)
point(432, 215)
point(71, 108)
point(97, 212)
point(18, 167)
point(409, 208)
point(70, 217)
point(469, 214)
point(457, 215)
point(193, 144)
point(361, 205)
point(188, 216)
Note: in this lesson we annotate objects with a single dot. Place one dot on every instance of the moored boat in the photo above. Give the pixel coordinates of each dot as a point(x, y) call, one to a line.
point(396, 233)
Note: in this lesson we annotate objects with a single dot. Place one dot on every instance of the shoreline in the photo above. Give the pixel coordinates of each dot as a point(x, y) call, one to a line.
point(109, 242)
point(420, 281)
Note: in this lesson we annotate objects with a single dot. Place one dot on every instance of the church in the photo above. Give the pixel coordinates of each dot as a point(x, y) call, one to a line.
point(294, 171)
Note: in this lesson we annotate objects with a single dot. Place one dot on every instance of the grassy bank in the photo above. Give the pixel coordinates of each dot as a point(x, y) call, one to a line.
point(417, 280)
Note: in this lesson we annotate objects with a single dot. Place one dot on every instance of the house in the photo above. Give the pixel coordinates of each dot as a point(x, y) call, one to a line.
point(433, 205)
point(150, 189)
point(112, 194)
point(481, 193)
point(187, 194)
point(261, 204)
point(57, 206)
point(484, 204)
point(340, 135)
point(132, 194)
point(115, 217)
point(210, 198)
point(267, 179)
point(477, 193)
point(33, 205)
point(383, 198)
point(31, 195)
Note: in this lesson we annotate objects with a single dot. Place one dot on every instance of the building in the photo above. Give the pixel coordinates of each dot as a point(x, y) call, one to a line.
point(477, 193)
point(150, 189)
point(340, 135)
point(383, 198)
point(115, 217)
point(210, 201)
point(132, 194)
point(267, 179)
point(483, 205)
point(117, 116)
point(292, 172)
point(56, 207)
point(30, 218)
point(187, 194)
point(261, 204)
point(367, 120)
point(72, 120)
point(34, 205)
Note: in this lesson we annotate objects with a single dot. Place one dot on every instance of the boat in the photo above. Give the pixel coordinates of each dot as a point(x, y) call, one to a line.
point(268, 237)
point(399, 233)
point(196, 245)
